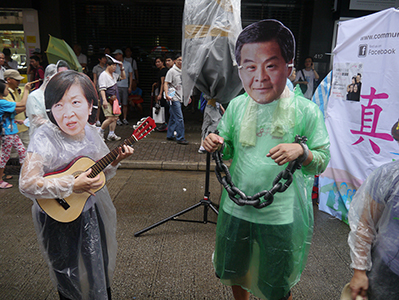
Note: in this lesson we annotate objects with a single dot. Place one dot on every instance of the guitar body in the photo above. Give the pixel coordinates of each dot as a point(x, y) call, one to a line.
point(76, 201)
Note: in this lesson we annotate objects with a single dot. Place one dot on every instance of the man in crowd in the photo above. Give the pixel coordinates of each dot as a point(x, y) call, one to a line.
point(129, 58)
point(42, 59)
point(173, 94)
point(307, 76)
point(124, 85)
point(264, 250)
point(9, 62)
point(82, 59)
point(169, 60)
point(97, 70)
point(37, 71)
point(2, 61)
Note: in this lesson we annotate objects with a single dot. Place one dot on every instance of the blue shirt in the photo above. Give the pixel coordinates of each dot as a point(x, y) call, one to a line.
point(9, 125)
point(137, 91)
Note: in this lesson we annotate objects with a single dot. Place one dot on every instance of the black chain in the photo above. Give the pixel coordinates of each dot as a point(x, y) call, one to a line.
point(240, 198)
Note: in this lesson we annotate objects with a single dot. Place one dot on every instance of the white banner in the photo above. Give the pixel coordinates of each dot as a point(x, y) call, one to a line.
point(372, 4)
point(362, 108)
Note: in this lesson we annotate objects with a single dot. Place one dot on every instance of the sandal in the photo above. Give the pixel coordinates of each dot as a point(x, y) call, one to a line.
point(7, 177)
point(5, 185)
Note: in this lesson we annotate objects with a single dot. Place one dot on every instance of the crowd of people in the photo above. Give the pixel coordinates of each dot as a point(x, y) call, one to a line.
point(258, 251)
point(129, 94)
point(115, 77)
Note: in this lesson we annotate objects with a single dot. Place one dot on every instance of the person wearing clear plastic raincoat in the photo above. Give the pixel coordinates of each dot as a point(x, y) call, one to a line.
point(81, 254)
point(374, 238)
point(35, 108)
point(264, 251)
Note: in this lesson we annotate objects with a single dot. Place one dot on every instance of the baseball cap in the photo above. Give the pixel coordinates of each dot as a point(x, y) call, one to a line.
point(346, 294)
point(14, 74)
point(117, 51)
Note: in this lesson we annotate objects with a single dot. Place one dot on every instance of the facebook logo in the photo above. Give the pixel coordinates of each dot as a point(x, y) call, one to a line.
point(362, 51)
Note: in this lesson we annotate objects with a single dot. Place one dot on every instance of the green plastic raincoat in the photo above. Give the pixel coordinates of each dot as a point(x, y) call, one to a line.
point(265, 250)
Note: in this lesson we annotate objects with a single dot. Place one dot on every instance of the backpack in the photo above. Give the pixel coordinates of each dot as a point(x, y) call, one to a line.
point(3, 121)
point(203, 103)
point(304, 87)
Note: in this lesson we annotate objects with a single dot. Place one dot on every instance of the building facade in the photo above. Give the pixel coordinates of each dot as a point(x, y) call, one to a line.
point(94, 24)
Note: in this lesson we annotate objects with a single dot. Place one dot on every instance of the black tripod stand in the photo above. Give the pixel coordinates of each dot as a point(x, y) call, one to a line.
point(204, 202)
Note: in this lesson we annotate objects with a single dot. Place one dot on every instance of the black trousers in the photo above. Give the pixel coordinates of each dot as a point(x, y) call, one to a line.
point(61, 243)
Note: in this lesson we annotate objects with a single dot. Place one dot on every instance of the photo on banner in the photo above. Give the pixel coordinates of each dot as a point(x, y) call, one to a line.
point(362, 107)
point(347, 81)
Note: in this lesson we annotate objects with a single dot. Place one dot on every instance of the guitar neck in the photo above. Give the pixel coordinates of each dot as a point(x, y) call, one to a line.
point(100, 165)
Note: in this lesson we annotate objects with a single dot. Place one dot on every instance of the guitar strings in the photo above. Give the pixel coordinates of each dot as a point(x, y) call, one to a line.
point(110, 157)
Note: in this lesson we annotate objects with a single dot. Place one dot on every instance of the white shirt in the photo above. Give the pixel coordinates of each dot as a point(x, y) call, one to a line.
point(13, 64)
point(310, 78)
point(2, 70)
point(82, 59)
point(132, 62)
point(105, 81)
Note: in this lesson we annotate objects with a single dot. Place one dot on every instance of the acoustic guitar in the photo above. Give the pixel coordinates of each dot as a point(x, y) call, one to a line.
point(69, 209)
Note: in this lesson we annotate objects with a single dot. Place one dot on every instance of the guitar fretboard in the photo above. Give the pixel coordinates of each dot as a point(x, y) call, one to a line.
point(109, 158)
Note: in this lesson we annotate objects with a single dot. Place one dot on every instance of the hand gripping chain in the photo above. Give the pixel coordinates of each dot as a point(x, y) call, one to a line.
point(240, 198)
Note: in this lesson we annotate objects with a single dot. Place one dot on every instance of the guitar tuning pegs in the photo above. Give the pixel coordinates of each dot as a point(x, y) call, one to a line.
point(135, 127)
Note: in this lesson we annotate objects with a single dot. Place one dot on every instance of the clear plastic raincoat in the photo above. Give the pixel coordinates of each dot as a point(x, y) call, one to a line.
point(81, 254)
point(265, 250)
point(374, 237)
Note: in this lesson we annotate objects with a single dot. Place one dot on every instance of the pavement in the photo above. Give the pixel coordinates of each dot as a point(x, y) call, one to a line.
point(157, 153)
point(171, 260)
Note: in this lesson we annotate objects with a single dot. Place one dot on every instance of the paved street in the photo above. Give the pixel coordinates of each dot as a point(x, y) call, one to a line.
point(172, 261)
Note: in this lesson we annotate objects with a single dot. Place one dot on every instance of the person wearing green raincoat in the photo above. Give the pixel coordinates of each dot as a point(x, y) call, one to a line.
point(264, 251)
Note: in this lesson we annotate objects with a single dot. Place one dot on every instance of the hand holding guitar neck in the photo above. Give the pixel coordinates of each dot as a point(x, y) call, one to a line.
point(124, 152)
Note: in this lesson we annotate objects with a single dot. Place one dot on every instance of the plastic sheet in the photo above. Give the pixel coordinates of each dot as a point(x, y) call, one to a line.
point(373, 219)
point(210, 30)
point(35, 107)
point(265, 250)
point(212, 117)
point(36, 110)
point(81, 254)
